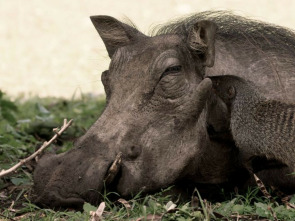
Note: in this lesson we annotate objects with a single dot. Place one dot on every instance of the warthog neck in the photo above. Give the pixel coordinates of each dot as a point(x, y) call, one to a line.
point(216, 160)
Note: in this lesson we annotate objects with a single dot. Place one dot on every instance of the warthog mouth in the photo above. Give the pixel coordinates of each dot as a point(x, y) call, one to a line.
point(113, 170)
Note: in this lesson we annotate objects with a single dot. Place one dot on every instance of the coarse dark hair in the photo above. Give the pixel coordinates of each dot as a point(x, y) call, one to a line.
point(237, 30)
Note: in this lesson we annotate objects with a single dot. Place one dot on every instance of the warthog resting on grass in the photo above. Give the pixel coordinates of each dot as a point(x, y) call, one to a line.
point(155, 115)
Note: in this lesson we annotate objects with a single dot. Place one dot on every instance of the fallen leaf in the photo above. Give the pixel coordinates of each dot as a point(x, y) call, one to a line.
point(3, 195)
point(170, 206)
point(150, 217)
point(30, 216)
point(126, 204)
point(96, 216)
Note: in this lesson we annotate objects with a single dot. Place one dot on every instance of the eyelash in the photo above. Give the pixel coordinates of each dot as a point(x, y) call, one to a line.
point(171, 70)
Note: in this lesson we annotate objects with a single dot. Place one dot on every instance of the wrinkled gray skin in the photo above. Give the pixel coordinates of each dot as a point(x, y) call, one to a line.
point(155, 111)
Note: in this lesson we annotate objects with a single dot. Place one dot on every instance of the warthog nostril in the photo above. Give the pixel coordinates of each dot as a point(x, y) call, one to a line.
point(113, 170)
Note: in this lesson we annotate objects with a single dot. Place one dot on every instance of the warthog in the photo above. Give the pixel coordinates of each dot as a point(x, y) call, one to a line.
point(260, 127)
point(155, 116)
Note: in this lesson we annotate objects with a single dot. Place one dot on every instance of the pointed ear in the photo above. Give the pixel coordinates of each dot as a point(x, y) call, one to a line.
point(114, 33)
point(201, 40)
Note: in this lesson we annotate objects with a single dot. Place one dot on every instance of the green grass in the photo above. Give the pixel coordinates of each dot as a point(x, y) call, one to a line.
point(24, 125)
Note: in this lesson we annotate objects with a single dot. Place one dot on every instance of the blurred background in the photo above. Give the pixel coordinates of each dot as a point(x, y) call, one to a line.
point(50, 48)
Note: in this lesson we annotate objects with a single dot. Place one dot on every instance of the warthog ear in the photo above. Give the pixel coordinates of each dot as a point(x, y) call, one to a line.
point(201, 40)
point(114, 33)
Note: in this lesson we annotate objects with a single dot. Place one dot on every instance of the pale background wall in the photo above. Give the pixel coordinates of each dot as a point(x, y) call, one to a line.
point(50, 48)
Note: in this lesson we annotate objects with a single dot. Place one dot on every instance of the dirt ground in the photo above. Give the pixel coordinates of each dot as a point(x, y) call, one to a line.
point(50, 48)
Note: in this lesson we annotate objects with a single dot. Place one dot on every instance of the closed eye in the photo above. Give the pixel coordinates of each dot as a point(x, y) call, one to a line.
point(172, 70)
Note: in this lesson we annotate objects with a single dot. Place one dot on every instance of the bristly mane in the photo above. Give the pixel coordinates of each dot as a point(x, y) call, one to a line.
point(245, 37)
point(236, 29)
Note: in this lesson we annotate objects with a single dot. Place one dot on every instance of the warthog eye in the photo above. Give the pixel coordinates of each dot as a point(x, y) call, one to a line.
point(171, 70)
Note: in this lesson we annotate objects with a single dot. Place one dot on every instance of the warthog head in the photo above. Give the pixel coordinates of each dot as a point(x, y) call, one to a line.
point(154, 119)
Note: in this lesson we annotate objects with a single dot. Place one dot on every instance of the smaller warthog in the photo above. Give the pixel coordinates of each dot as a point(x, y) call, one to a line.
point(260, 127)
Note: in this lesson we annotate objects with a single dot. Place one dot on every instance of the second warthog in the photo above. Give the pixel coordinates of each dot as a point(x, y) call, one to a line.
point(155, 113)
point(260, 127)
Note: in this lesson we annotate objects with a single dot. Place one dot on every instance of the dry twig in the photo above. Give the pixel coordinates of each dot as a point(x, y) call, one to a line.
point(45, 145)
point(262, 188)
point(289, 205)
point(284, 198)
